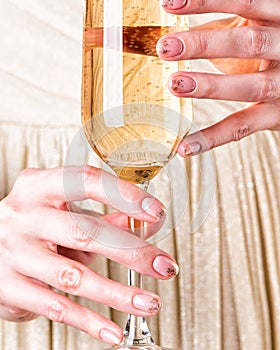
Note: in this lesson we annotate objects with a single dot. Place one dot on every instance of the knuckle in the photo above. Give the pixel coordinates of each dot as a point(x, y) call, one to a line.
point(259, 42)
point(88, 324)
point(135, 256)
point(267, 89)
point(140, 256)
point(4, 249)
point(201, 42)
point(211, 87)
point(26, 179)
point(84, 232)
point(202, 3)
point(247, 5)
point(131, 193)
point(28, 174)
point(8, 212)
point(70, 279)
point(275, 116)
point(240, 132)
point(89, 172)
point(57, 311)
point(210, 143)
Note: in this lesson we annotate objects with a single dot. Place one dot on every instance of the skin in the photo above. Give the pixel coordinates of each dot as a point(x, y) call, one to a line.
point(44, 245)
point(249, 57)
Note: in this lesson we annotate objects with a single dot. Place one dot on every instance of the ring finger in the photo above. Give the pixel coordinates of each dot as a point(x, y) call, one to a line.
point(74, 278)
point(256, 87)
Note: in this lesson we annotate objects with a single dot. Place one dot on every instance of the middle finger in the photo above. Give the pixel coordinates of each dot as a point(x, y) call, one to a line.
point(92, 234)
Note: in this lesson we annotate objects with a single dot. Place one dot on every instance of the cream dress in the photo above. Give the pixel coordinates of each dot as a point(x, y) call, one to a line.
point(227, 295)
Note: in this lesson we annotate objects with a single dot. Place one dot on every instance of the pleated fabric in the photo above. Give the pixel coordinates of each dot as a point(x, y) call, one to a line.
point(223, 206)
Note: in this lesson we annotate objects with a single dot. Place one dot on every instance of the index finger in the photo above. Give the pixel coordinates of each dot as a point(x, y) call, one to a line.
point(251, 9)
point(57, 186)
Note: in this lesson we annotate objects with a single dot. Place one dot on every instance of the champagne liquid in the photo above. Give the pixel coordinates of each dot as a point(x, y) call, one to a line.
point(136, 151)
point(140, 40)
point(136, 141)
point(137, 175)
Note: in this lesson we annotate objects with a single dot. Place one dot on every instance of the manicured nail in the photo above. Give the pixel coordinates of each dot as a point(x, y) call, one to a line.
point(192, 149)
point(109, 337)
point(146, 303)
point(151, 206)
point(169, 47)
point(165, 266)
point(173, 4)
point(182, 84)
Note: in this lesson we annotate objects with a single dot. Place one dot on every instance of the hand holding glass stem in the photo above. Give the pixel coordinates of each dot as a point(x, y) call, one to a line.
point(127, 114)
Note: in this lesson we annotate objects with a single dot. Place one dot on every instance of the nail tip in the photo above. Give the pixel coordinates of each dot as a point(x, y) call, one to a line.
point(109, 337)
point(161, 213)
point(170, 46)
point(152, 207)
point(172, 272)
point(165, 266)
point(182, 84)
point(173, 4)
point(192, 149)
point(147, 303)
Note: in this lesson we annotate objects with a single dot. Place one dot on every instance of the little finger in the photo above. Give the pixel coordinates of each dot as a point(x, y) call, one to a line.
point(233, 128)
point(59, 308)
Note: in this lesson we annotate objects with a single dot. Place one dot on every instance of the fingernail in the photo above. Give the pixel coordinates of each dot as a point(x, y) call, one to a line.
point(173, 4)
point(109, 337)
point(151, 206)
point(182, 84)
point(146, 303)
point(170, 47)
point(192, 149)
point(165, 266)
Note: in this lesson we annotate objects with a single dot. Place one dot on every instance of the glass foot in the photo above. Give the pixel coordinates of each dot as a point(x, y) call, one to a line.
point(136, 347)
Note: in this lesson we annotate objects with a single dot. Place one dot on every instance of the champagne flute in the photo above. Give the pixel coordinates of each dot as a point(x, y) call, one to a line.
point(130, 118)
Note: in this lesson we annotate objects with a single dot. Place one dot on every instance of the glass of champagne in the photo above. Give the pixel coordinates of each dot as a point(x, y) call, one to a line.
point(130, 118)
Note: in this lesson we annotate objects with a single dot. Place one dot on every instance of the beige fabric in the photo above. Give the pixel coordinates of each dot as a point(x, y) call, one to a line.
point(227, 294)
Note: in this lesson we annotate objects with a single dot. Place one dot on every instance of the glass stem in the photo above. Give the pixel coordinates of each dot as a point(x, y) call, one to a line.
point(136, 330)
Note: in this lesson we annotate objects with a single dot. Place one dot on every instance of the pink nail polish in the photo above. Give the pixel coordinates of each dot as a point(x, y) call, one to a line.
point(150, 206)
point(182, 84)
point(192, 149)
point(165, 266)
point(109, 337)
point(147, 303)
point(170, 47)
point(173, 4)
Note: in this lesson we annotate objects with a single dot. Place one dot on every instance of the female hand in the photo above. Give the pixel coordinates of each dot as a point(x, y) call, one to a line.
point(246, 49)
point(36, 228)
